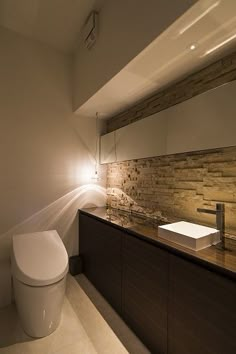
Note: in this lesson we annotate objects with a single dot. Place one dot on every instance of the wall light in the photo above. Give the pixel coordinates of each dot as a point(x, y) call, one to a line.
point(95, 175)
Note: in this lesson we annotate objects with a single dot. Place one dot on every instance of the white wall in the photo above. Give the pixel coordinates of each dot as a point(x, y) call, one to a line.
point(126, 27)
point(46, 152)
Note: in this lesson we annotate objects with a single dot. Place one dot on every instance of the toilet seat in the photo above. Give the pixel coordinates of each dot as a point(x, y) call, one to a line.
point(39, 258)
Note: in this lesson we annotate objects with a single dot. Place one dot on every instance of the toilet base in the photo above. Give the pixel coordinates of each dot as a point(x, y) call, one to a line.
point(39, 307)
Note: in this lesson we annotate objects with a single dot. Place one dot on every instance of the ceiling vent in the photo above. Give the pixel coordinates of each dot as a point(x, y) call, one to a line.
point(90, 30)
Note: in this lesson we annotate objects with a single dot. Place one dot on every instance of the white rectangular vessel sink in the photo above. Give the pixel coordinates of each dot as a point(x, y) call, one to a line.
point(193, 236)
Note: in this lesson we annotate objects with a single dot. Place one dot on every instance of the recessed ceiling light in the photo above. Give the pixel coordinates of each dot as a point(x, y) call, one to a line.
point(193, 46)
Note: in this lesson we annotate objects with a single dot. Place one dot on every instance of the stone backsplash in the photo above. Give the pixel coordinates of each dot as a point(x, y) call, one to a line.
point(174, 186)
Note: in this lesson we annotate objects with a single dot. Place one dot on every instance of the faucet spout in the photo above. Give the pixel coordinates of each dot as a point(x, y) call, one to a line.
point(220, 219)
point(206, 211)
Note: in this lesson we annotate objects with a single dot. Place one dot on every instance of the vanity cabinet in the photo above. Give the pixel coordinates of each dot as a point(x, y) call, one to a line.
point(100, 249)
point(201, 314)
point(173, 304)
point(145, 289)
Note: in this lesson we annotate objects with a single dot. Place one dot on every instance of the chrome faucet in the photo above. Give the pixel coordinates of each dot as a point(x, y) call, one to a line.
point(220, 220)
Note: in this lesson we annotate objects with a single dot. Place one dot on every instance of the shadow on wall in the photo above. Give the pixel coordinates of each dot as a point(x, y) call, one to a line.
point(59, 215)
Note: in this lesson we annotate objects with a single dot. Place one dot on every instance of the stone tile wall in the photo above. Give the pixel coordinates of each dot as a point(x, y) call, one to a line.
point(175, 186)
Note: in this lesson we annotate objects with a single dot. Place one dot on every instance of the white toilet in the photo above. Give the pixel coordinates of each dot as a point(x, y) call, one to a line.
point(39, 269)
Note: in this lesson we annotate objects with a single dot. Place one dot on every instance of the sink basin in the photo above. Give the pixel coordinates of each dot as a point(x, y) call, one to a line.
point(193, 236)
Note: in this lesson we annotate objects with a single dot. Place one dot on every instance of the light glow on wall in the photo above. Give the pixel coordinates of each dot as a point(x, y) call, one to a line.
point(89, 174)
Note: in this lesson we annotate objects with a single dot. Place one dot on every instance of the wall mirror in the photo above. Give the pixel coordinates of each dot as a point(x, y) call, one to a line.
point(206, 121)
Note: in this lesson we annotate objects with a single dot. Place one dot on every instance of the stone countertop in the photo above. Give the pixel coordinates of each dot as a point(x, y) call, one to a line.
point(220, 261)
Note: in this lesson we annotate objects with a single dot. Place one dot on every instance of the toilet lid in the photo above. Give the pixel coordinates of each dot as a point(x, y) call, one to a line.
point(39, 258)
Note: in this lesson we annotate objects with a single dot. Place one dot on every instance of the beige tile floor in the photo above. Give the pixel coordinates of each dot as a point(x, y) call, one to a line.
point(88, 326)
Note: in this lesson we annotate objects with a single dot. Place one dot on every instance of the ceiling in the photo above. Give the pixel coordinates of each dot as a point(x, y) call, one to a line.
point(54, 22)
point(200, 36)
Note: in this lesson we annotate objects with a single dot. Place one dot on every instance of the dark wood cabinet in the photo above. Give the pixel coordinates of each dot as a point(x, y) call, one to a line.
point(202, 316)
point(100, 249)
point(145, 292)
point(174, 305)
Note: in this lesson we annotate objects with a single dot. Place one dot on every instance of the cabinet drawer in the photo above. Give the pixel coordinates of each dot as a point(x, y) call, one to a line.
point(145, 292)
point(202, 316)
point(100, 249)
